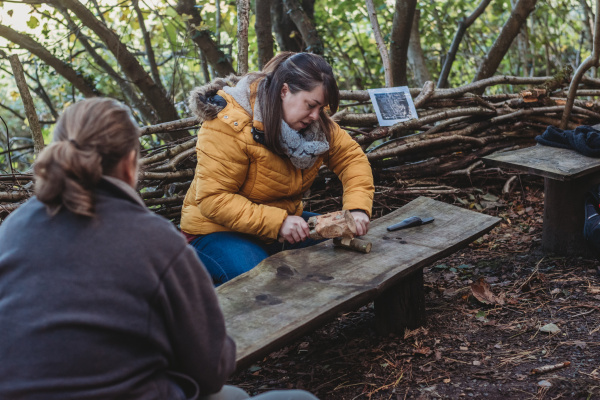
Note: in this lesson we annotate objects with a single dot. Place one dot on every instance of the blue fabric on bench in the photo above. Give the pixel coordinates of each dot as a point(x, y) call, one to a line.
point(584, 139)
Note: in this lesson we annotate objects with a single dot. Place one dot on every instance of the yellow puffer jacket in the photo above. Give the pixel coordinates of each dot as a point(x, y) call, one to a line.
point(242, 186)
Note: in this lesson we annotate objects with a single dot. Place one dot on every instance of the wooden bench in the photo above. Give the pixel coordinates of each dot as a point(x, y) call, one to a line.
point(567, 176)
point(293, 292)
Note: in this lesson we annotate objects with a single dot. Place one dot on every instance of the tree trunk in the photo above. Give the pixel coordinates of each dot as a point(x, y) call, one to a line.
point(148, 44)
point(32, 117)
point(215, 57)
point(285, 31)
point(522, 46)
point(129, 64)
point(243, 14)
point(416, 58)
point(262, 27)
point(75, 78)
point(400, 36)
point(588, 22)
point(305, 26)
point(128, 90)
point(463, 25)
point(385, 59)
point(509, 31)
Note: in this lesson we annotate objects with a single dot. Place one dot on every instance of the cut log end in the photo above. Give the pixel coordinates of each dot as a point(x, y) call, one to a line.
point(362, 246)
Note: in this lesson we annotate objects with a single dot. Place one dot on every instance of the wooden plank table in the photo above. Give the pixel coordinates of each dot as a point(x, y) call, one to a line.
point(567, 176)
point(295, 291)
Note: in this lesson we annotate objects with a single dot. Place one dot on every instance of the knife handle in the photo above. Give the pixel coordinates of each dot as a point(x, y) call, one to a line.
point(407, 223)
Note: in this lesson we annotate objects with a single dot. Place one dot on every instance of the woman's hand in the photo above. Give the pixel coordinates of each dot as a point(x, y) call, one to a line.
point(362, 222)
point(294, 229)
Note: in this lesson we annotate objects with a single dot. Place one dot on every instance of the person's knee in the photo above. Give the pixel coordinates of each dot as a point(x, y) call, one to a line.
point(228, 392)
point(227, 254)
point(286, 395)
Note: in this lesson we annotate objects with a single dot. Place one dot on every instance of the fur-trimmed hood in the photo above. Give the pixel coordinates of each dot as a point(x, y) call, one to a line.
point(199, 99)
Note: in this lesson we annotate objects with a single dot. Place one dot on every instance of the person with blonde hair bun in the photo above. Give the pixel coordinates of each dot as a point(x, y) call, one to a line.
point(99, 297)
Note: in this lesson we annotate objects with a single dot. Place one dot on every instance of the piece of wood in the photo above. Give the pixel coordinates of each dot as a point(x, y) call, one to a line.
point(363, 246)
point(567, 176)
point(32, 117)
point(401, 306)
point(332, 225)
point(292, 292)
point(549, 162)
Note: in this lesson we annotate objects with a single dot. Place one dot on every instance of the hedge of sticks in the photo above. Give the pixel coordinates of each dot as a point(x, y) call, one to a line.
point(454, 129)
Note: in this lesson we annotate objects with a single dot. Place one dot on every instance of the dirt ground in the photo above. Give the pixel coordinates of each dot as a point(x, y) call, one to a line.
point(468, 349)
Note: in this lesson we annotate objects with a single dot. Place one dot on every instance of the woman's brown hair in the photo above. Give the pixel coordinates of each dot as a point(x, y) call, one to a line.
point(90, 138)
point(301, 72)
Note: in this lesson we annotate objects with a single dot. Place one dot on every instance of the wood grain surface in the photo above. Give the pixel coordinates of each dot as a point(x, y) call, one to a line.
point(293, 292)
point(549, 162)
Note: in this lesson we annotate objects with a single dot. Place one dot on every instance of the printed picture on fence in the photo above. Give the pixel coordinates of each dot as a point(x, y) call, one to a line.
point(393, 105)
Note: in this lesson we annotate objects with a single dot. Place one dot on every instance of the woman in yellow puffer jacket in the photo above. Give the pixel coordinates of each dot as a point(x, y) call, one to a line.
point(260, 147)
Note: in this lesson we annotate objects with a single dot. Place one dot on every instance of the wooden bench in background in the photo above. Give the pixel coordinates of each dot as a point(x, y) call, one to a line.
point(567, 176)
point(293, 292)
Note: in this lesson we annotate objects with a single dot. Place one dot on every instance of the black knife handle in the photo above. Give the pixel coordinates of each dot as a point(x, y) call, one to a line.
point(407, 223)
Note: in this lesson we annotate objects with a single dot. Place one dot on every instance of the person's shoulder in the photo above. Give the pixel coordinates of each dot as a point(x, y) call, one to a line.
point(23, 213)
point(145, 226)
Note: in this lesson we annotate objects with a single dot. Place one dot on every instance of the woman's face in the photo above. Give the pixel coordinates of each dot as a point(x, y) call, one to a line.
point(302, 108)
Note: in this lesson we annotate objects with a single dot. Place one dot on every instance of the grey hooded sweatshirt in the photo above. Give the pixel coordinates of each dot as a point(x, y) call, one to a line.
point(111, 307)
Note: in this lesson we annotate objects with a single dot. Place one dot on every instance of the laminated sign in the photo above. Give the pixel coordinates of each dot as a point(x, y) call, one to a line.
point(393, 105)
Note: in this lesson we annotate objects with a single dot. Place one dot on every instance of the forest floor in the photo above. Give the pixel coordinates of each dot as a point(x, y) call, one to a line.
point(467, 349)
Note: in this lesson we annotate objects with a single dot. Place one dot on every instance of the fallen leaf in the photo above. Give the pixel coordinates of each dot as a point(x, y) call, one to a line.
point(254, 368)
point(580, 344)
point(422, 350)
point(482, 292)
point(550, 328)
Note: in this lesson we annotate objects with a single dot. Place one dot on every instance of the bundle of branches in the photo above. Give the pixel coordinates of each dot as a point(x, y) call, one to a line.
point(454, 129)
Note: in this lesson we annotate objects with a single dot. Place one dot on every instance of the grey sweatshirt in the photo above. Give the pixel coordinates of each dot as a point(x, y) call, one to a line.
point(111, 307)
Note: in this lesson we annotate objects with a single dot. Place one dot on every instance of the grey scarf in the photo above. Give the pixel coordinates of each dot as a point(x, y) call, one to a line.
point(302, 148)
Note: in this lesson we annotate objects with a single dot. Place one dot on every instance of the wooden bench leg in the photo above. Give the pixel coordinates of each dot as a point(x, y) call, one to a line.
point(401, 306)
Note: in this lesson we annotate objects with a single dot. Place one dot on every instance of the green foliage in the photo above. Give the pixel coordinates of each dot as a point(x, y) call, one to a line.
point(552, 41)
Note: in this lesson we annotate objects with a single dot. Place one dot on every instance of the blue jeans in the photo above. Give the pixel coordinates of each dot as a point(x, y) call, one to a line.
point(229, 254)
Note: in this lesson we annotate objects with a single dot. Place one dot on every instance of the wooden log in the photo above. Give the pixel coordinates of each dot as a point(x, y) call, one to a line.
point(363, 246)
point(332, 225)
point(32, 118)
point(402, 306)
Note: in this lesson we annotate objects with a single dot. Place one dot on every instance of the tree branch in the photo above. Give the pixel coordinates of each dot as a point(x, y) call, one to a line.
point(509, 31)
point(129, 64)
point(314, 44)
point(262, 27)
point(243, 14)
point(32, 118)
point(400, 39)
point(124, 85)
point(148, 45)
point(389, 81)
point(215, 57)
point(27, 43)
point(463, 25)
